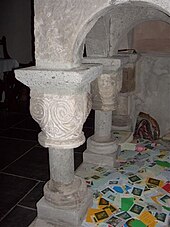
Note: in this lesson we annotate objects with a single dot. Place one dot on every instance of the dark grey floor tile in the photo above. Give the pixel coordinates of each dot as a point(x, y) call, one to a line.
point(33, 197)
point(12, 190)
point(28, 123)
point(11, 149)
point(78, 159)
point(18, 217)
point(34, 165)
point(20, 134)
point(8, 119)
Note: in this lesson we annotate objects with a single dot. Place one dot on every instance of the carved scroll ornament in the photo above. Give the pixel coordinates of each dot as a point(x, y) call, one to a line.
point(61, 118)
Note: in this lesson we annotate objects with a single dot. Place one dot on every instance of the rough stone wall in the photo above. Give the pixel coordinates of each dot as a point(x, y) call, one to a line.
point(61, 26)
point(108, 34)
point(152, 94)
point(98, 39)
point(125, 18)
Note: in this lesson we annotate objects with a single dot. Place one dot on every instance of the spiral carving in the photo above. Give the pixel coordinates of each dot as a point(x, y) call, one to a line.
point(60, 118)
point(39, 111)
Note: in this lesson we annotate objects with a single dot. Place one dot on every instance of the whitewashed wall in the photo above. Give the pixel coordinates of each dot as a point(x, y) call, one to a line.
point(152, 93)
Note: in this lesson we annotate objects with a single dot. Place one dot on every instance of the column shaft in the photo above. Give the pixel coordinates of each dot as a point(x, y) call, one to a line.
point(103, 125)
point(61, 165)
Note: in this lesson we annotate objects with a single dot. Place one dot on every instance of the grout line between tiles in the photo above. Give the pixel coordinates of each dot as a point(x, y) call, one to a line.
point(19, 122)
point(7, 213)
point(28, 178)
point(28, 193)
point(25, 207)
point(17, 158)
point(19, 201)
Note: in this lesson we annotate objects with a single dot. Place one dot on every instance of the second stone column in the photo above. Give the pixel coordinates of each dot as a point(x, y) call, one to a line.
point(102, 146)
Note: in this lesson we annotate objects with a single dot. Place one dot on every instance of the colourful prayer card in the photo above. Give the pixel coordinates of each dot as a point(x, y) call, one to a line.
point(136, 209)
point(147, 218)
point(166, 187)
point(126, 203)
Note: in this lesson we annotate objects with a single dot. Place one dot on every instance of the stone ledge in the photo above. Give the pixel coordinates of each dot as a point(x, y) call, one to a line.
point(52, 80)
point(109, 64)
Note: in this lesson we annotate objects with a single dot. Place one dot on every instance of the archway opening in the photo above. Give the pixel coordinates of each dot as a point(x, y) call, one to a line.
point(146, 29)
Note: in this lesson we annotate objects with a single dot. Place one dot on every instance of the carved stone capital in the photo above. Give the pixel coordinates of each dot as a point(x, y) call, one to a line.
point(61, 118)
point(106, 87)
point(105, 91)
point(60, 102)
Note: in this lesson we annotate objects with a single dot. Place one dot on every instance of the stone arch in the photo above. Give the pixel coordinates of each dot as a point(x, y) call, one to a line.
point(162, 8)
point(61, 26)
point(135, 24)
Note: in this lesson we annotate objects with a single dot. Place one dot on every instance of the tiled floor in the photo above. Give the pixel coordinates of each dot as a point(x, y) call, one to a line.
point(24, 167)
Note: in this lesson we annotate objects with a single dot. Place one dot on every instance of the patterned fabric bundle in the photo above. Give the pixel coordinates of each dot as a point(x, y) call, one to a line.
point(146, 127)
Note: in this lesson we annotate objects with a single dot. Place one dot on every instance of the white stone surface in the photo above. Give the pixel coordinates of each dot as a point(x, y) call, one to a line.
point(121, 119)
point(123, 104)
point(106, 87)
point(153, 89)
point(61, 165)
point(61, 26)
point(99, 33)
point(101, 159)
point(119, 22)
point(55, 45)
point(103, 122)
point(57, 80)
point(122, 122)
point(65, 195)
point(109, 63)
point(105, 91)
point(101, 147)
point(60, 30)
point(121, 116)
point(126, 17)
point(49, 216)
point(60, 102)
point(61, 118)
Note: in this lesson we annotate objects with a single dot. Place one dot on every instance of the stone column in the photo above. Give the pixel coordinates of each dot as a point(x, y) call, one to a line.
point(102, 146)
point(60, 103)
point(121, 120)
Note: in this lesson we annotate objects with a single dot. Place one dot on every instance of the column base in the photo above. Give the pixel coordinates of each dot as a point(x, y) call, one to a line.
point(53, 216)
point(100, 159)
point(121, 122)
point(66, 195)
point(100, 153)
point(101, 147)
